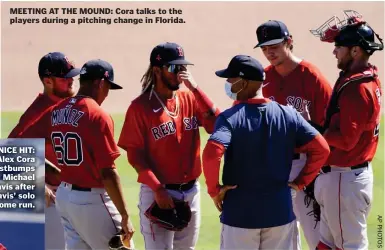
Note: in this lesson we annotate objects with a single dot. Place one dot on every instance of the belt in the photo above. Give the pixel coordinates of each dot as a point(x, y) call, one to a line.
point(296, 156)
point(77, 188)
point(327, 169)
point(182, 186)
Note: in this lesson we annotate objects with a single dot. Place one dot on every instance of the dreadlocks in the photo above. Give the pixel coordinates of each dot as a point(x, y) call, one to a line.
point(147, 79)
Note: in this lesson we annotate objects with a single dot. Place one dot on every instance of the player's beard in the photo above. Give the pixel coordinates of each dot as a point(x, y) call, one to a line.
point(344, 65)
point(63, 94)
point(168, 83)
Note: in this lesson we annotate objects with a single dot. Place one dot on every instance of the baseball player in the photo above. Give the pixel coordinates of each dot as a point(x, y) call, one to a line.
point(89, 198)
point(255, 199)
point(345, 188)
point(56, 73)
point(161, 136)
point(298, 83)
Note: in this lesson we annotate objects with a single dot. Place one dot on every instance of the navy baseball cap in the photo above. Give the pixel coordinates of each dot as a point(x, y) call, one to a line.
point(244, 67)
point(271, 32)
point(168, 53)
point(99, 69)
point(57, 64)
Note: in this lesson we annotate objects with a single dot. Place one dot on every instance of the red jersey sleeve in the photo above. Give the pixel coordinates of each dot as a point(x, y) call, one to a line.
point(212, 155)
point(106, 150)
point(207, 112)
point(322, 95)
point(38, 128)
point(132, 132)
point(355, 110)
point(131, 139)
point(317, 151)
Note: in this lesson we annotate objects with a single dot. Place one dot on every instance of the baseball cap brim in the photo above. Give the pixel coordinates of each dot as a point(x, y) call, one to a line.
point(180, 62)
point(271, 42)
point(224, 73)
point(72, 73)
point(115, 86)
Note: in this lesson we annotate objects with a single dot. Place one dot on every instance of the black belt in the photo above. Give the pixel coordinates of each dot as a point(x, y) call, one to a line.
point(327, 169)
point(181, 187)
point(296, 156)
point(77, 188)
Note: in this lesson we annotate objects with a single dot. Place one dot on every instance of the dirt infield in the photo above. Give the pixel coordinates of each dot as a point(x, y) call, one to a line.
point(213, 33)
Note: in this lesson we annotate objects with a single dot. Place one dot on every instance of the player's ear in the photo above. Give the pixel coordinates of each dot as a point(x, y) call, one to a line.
point(245, 83)
point(156, 70)
point(289, 41)
point(48, 82)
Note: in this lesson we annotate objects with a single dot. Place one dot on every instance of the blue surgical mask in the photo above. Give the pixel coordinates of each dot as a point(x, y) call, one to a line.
point(228, 90)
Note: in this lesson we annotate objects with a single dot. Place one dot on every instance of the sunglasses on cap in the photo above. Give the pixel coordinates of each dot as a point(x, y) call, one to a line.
point(172, 68)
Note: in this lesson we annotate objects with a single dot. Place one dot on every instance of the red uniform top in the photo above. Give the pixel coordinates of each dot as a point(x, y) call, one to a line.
point(83, 138)
point(162, 149)
point(305, 85)
point(353, 131)
point(35, 110)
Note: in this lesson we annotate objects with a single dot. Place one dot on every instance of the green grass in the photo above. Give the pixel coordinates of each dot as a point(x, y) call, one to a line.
point(210, 229)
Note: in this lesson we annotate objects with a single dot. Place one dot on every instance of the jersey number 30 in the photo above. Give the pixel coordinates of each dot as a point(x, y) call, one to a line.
point(68, 148)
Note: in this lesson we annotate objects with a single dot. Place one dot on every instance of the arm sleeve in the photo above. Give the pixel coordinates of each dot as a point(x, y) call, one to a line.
point(222, 132)
point(322, 97)
point(38, 128)
point(355, 107)
point(206, 110)
point(132, 140)
point(212, 155)
point(317, 151)
point(304, 131)
point(106, 150)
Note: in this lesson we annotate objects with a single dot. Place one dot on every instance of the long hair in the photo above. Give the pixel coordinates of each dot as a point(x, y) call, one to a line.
point(147, 80)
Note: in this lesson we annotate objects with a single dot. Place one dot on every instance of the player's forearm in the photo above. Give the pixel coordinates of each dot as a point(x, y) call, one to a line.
point(207, 108)
point(212, 155)
point(335, 139)
point(111, 181)
point(317, 152)
point(145, 175)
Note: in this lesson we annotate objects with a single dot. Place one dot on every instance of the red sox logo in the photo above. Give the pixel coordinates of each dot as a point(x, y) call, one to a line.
point(69, 64)
point(158, 57)
point(169, 128)
point(298, 103)
point(106, 74)
point(180, 51)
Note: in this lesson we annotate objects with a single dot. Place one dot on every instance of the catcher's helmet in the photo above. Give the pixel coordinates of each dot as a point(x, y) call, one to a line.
point(359, 34)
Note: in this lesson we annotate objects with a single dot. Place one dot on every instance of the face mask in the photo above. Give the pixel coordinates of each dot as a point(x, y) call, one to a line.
point(228, 90)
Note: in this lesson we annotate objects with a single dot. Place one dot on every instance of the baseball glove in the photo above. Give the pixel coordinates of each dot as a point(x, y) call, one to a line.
point(310, 200)
point(117, 242)
point(171, 219)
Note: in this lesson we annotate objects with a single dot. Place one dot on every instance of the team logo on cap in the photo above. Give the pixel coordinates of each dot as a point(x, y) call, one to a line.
point(69, 64)
point(241, 73)
point(106, 74)
point(158, 57)
point(180, 51)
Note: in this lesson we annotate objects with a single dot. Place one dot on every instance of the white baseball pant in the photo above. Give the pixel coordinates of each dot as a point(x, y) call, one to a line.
point(54, 231)
point(281, 237)
point(309, 226)
point(156, 237)
point(345, 197)
point(90, 219)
